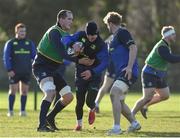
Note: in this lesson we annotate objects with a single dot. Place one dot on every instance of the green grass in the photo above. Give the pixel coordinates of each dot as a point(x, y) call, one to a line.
point(163, 119)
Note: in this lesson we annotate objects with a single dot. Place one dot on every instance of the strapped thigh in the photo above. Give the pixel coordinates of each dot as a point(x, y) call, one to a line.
point(119, 88)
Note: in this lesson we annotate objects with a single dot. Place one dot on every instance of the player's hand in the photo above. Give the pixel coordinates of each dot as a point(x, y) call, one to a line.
point(11, 73)
point(128, 73)
point(77, 47)
point(86, 61)
point(86, 74)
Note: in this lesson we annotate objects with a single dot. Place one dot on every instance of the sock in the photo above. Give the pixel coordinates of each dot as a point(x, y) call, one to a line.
point(97, 104)
point(11, 102)
point(43, 112)
point(56, 109)
point(23, 102)
point(79, 122)
point(134, 123)
point(116, 127)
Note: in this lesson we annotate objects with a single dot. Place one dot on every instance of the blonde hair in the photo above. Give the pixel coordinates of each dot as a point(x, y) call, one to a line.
point(113, 17)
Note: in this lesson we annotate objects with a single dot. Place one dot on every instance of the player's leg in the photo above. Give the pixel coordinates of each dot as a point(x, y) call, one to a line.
point(66, 98)
point(161, 92)
point(80, 100)
point(24, 88)
point(149, 83)
point(117, 94)
point(48, 88)
point(108, 81)
point(13, 88)
point(147, 96)
point(129, 116)
point(161, 95)
point(93, 88)
point(61, 70)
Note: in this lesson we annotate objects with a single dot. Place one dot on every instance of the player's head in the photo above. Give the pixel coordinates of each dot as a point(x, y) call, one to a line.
point(64, 19)
point(112, 19)
point(20, 31)
point(168, 33)
point(91, 30)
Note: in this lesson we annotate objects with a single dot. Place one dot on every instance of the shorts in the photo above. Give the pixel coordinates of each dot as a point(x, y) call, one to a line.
point(152, 81)
point(91, 85)
point(43, 71)
point(124, 79)
point(25, 78)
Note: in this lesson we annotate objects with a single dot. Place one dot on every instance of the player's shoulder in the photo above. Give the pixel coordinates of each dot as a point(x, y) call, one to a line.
point(11, 41)
point(123, 31)
point(81, 33)
point(100, 41)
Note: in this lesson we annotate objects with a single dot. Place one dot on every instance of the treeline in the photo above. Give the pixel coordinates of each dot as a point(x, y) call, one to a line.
point(144, 18)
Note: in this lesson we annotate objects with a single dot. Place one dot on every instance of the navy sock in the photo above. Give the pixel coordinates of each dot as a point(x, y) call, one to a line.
point(11, 102)
point(43, 112)
point(23, 102)
point(56, 109)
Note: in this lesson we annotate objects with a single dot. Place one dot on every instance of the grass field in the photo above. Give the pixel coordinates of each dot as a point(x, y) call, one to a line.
point(163, 120)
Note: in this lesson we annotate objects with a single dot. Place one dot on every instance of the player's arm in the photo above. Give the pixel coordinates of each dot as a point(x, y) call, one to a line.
point(69, 40)
point(102, 56)
point(127, 40)
point(164, 52)
point(7, 57)
point(33, 50)
point(54, 37)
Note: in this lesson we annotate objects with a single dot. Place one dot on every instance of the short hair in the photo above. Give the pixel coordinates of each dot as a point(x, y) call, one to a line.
point(62, 14)
point(113, 17)
point(19, 25)
point(166, 29)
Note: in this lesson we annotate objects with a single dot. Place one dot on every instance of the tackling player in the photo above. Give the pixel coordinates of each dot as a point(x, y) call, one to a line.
point(50, 55)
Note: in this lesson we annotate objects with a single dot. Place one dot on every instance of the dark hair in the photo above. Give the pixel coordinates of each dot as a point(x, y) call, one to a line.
point(91, 28)
point(62, 14)
point(19, 25)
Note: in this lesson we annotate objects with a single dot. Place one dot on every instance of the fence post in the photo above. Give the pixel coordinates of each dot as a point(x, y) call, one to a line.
point(35, 95)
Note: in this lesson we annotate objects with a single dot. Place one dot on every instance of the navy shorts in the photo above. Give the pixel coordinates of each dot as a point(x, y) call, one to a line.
point(152, 81)
point(124, 79)
point(25, 78)
point(43, 68)
point(43, 71)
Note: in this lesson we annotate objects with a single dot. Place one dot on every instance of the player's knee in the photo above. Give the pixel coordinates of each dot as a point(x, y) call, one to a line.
point(12, 92)
point(49, 95)
point(90, 103)
point(24, 93)
point(104, 89)
point(119, 89)
point(66, 94)
point(67, 98)
point(147, 98)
